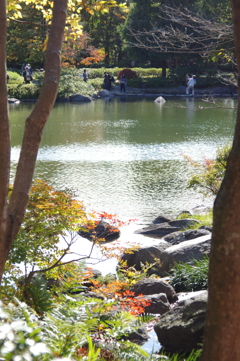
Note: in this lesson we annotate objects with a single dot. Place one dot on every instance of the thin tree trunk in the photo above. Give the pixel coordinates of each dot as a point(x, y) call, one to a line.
point(4, 134)
point(33, 131)
point(222, 330)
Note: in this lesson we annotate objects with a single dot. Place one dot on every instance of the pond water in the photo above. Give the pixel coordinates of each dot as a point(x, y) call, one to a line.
point(126, 156)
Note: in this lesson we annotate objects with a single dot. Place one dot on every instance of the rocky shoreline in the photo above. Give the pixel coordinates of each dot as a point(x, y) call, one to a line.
point(179, 322)
point(178, 92)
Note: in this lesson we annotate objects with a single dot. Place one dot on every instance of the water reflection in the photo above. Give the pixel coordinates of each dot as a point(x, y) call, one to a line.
point(125, 156)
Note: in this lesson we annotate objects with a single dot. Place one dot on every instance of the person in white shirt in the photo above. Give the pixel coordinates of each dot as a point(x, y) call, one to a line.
point(190, 84)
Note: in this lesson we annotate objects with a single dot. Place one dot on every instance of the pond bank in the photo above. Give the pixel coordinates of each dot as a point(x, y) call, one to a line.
point(177, 92)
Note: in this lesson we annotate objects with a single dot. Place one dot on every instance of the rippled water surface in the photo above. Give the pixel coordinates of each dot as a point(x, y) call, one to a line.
point(127, 156)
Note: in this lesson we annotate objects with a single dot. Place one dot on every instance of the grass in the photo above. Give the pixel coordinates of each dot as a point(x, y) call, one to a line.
point(190, 277)
point(204, 219)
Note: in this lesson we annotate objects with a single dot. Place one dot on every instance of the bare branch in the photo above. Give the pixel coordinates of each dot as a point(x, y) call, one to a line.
point(187, 32)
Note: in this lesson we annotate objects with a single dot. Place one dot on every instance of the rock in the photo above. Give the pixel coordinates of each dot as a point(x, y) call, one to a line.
point(87, 294)
point(160, 100)
point(102, 230)
point(168, 227)
point(139, 336)
point(78, 98)
point(185, 213)
point(158, 303)
point(181, 329)
point(201, 209)
point(162, 219)
point(152, 286)
point(145, 256)
point(178, 237)
point(105, 93)
point(63, 100)
point(186, 252)
point(13, 101)
point(208, 228)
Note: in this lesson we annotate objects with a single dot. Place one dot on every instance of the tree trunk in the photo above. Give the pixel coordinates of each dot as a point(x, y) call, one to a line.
point(11, 218)
point(222, 330)
point(164, 68)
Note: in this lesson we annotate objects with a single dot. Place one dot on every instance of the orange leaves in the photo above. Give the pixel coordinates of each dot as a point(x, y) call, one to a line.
point(123, 297)
point(95, 56)
point(132, 304)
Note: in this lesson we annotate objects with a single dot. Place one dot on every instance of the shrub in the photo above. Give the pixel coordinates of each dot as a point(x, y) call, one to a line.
point(24, 91)
point(96, 83)
point(204, 219)
point(70, 85)
point(190, 277)
point(15, 78)
point(210, 173)
point(129, 74)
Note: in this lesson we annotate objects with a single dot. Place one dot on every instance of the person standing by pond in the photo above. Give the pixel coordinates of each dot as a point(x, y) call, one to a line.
point(27, 75)
point(111, 81)
point(106, 80)
point(123, 83)
point(85, 75)
point(190, 84)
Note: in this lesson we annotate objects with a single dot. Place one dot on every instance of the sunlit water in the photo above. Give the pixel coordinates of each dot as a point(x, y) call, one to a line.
point(126, 157)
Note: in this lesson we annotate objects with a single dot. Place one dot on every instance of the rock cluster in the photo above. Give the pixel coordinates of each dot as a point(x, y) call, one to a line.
point(180, 327)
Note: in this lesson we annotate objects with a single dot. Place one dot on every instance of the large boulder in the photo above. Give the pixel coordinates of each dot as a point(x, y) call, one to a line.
point(105, 93)
point(186, 252)
point(179, 237)
point(158, 304)
point(101, 231)
point(78, 98)
point(162, 219)
point(162, 229)
point(181, 329)
point(152, 286)
point(145, 256)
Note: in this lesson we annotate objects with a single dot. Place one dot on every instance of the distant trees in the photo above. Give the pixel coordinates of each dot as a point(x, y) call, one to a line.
point(26, 39)
point(92, 32)
point(104, 29)
point(183, 32)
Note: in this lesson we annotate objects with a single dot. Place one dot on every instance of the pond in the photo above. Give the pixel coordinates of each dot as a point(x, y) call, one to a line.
point(126, 156)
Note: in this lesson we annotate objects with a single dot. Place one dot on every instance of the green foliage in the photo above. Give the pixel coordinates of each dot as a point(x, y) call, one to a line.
point(72, 330)
point(203, 219)
point(20, 334)
point(78, 330)
point(96, 83)
point(50, 214)
point(15, 78)
point(71, 81)
point(210, 173)
point(37, 295)
point(193, 356)
point(190, 277)
point(70, 85)
point(23, 91)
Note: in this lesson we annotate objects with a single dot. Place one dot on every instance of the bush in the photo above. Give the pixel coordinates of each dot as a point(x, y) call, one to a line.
point(129, 74)
point(203, 219)
point(15, 78)
point(70, 85)
point(23, 91)
point(190, 277)
point(96, 83)
point(210, 173)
